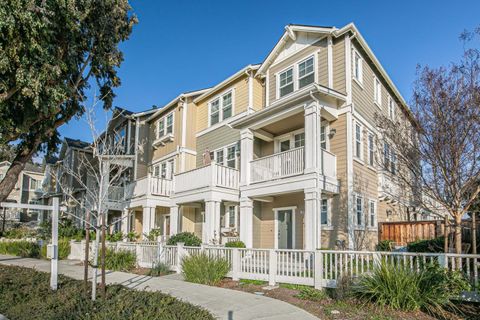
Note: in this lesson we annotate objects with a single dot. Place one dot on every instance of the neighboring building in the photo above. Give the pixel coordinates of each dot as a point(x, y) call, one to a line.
point(284, 154)
point(27, 190)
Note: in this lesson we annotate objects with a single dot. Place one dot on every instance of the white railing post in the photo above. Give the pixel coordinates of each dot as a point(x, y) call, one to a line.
point(137, 253)
point(318, 272)
point(180, 254)
point(272, 267)
point(213, 173)
point(235, 264)
point(377, 259)
point(443, 260)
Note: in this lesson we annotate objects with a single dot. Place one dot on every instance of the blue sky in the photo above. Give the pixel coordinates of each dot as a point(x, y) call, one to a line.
point(182, 45)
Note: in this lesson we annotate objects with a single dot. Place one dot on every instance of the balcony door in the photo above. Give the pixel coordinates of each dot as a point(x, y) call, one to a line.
point(285, 228)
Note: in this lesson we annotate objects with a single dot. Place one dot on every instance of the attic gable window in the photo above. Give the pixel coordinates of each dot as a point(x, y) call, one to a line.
point(306, 73)
point(286, 82)
point(357, 67)
point(221, 108)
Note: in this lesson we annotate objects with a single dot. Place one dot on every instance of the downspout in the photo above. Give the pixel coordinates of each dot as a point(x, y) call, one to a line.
point(184, 133)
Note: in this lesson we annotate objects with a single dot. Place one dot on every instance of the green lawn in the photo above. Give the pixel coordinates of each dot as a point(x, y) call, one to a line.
point(25, 294)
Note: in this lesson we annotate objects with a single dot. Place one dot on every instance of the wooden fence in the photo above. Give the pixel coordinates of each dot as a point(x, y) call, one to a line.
point(405, 232)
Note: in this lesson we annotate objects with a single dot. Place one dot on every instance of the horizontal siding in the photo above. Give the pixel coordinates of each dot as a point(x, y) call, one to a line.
point(318, 46)
point(258, 94)
point(170, 146)
point(339, 65)
point(240, 103)
point(215, 139)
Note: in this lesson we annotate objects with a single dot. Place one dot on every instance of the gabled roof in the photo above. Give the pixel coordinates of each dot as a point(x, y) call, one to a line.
point(290, 31)
point(175, 100)
point(226, 81)
point(76, 143)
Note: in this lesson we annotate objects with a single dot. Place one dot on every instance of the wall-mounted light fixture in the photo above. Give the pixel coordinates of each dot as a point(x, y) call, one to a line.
point(332, 133)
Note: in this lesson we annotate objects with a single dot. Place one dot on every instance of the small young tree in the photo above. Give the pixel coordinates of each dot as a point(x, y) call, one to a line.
point(436, 148)
point(92, 180)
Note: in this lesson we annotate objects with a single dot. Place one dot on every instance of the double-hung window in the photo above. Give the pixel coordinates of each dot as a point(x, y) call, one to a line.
point(377, 91)
point(299, 140)
point(164, 169)
point(357, 67)
point(389, 158)
point(165, 126)
point(286, 82)
point(221, 108)
point(306, 73)
point(226, 156)
point(391, 109)
point(323, 136)
point(371, 150)
point(386, 155)
point(230, 217)
point(359, 211)
point(372, 214)
point(358, 141)
point(324, 212)
point(231, 156)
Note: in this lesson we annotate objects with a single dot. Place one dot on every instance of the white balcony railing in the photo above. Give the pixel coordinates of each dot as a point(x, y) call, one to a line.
point(213, 175)
point(329, 163)
point(150, 185)
point(278, 165)
point(116, 193)
point(387, 187)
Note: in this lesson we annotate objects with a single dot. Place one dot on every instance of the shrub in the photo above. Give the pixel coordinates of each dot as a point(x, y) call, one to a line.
point(23, 249)
point(20, 233)
point(204, 269)
point(153, 234)
point(433, 245)
point(26, 294)
point(190, 239)
point(308, 293)
point(131, 236)
point(401, 288)
point(63, 249)
point(235, 244)
point(121, 260)
point(385, 245)
point(159, 269)
point(115, 237)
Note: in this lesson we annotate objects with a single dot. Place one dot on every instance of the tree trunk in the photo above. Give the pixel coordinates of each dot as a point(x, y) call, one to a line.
point(445, 243)
point(87, 249)
point(103, 288)
point(458, 234)
point(474, 233)
point(18, 164)
point(4, 220)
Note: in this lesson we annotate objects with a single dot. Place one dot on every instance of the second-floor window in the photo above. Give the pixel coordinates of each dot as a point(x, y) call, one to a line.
point(391, 109)
point(372, 214)
point(34, 184)
point(165, 125)
point(306, 74)
point(290, 140)
point(286, 82)
point(389, 158)
point(164, 169)
point(358, 210)
point(358, 141)
point(357, 67)
point(371, 152)
point(377, 91)
point(221, 108)
point(226, 156)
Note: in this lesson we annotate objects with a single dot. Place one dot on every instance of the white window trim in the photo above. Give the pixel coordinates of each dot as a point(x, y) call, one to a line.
point(357, 226)
point(160, 140)
point(225, 153)
point(227, 217)
point(370, 134)
point(391, 103)
point(298, 71)
point(329, 225)
point(170, 167)
point(375, 224)
point(361, 158)
point(220, 106)
point(295, 78)
point(166, 231)
point(326, 124)
point(287, 136)
point(359, 80)
point(377, 96)
point(275, 231)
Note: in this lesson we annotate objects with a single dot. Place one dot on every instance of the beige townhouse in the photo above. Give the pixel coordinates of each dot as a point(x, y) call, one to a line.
point(285, 154)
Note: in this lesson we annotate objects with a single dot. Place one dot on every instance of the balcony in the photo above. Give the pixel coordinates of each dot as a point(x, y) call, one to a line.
point(388, 189)
point(150, 185)
point(212, 175)
point(289, 163)
point(116, 194)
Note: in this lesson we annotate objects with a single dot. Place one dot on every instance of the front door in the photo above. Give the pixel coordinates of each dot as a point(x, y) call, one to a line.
point(166, 230)
point(285, 229)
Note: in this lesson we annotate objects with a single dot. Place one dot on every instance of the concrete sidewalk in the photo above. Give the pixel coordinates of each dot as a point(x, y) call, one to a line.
point(222, 303)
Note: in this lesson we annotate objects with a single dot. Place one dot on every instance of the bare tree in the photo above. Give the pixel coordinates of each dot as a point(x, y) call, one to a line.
point(436, 147)
point(92, 180)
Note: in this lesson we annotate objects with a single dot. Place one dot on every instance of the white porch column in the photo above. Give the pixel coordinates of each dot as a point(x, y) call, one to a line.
point(313, 162)
point(246, 155)
point(312, 231)
point(148, 220)
point(246, 222)
point(174, 220)
point(212, 222)
point(125, 222)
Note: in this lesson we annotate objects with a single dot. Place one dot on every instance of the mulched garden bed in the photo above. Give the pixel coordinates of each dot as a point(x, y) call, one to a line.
point(329, 308)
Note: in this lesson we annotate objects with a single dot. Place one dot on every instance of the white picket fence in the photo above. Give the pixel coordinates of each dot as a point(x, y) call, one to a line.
point(319, 268)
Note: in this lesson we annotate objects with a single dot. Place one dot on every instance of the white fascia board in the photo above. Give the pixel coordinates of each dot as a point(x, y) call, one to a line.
point(226, 81)
point(351, 27)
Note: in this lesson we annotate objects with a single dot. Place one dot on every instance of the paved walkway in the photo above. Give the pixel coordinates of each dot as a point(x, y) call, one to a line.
point(222, 303)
